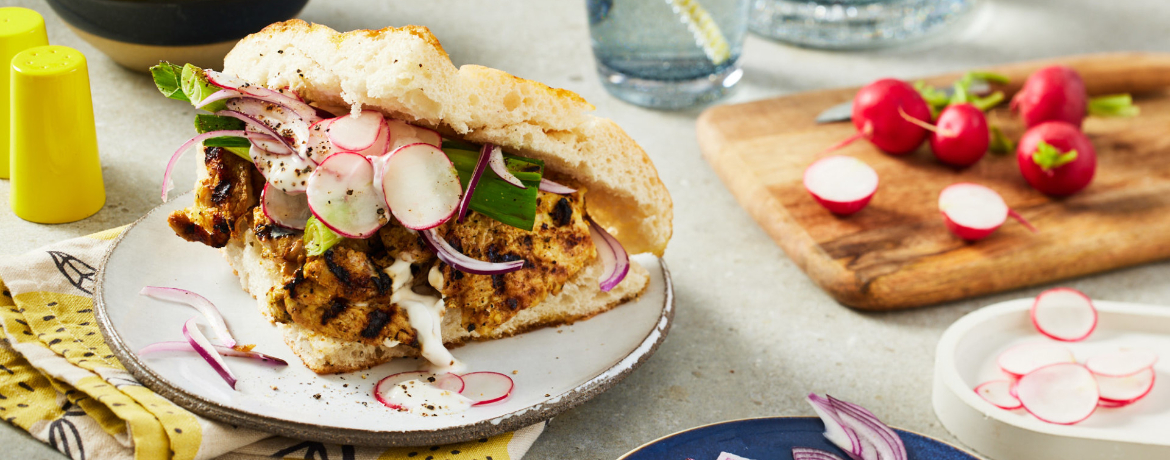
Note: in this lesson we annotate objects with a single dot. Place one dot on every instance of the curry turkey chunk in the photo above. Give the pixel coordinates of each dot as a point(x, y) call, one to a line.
point(225, 194)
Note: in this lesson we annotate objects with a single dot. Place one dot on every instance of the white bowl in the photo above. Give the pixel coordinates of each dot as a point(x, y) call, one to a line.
point(966, 357)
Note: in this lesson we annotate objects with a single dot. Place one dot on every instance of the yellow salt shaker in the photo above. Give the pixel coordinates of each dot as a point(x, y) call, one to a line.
point(20, 29)
point(56, 173)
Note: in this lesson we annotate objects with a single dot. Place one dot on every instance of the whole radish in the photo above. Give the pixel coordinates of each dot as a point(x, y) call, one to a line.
point(960, 136)
point(1054, 93)
point(877, 116)
point(1056, 158)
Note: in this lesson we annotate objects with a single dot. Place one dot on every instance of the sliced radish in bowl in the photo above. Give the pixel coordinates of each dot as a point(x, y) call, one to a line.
point(289, 173)
point(1122, 363)
point(843, 185)
point(999, 393)
point(285, 210)
point(1063, 393)
point(1064, 314)
point(356, 132)
point(1027, 357)
point(487, 387)
point(341, 194)
point(421, 186)
point(1127, 389)
point(972, 211)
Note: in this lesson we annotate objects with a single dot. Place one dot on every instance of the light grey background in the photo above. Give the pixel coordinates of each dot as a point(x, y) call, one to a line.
point(752, 334)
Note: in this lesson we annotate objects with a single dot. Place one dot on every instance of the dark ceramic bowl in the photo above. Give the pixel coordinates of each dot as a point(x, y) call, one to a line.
point(139, 33)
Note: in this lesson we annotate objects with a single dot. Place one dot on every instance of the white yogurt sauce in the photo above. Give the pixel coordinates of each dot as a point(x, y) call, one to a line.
point(425, 314)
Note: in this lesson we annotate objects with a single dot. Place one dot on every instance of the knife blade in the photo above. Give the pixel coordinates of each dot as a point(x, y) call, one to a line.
point(844, 110)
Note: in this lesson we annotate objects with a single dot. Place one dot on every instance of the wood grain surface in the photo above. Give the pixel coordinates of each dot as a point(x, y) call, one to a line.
point(896, 253)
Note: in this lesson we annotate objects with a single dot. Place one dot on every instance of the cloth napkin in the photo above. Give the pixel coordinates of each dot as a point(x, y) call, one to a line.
point(60, 382)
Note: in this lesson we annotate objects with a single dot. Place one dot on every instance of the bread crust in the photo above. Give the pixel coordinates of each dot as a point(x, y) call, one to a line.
point(405, 73)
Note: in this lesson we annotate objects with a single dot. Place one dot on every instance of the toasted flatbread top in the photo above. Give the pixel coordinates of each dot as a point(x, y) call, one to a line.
point(404, 73)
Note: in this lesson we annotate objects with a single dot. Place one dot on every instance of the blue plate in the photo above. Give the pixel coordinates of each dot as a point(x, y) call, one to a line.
point(772, 438)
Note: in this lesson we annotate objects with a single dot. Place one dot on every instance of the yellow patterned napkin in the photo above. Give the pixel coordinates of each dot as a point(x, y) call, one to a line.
point(60, 382)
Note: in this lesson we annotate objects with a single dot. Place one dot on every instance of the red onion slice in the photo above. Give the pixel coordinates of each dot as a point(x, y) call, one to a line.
point(614, 260)
point(257, 126)
point(224, 351)
point(487, 387)
point(466, 264)
point(167, 184)
point(285, 123)
point(196, 301)
point(218, 96)
point(207, 351)
point(857, 431)
point(808, 453)
point(305, 111)
point(553, 187)
point(835, 429)
point(480, 166)
point(285, 209)
point(496, 161)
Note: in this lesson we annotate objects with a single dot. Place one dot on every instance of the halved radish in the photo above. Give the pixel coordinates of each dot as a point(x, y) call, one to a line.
point(1064, 314)
point(403, 134)
point(1027, 357)
point(283, 209)
point(1122, 363)
point(289, 173)
point(318, 147)
point(999, 394)
point(843, 185)
point(1126, 389)
point(341, 194)
point(356, 132)
point(1064, 393)
point(487, 387)
point(421, 186)
point(972, 211)
point(386, 394)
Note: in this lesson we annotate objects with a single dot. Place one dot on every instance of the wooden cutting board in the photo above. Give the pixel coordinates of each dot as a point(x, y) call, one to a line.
point(897, 253)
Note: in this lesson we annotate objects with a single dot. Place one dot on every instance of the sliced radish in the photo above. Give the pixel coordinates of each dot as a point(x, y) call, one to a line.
point(1064, 314)
point(403, 134)
point(289, 173)
point(496, 161)
point(1064, 393)
point(1122, 363)
point(999, 394)
point(341, 194)
point(487, 387)
point(381, 144)
point(318, 147)
point(1113, 404)
point(356, 132)
point(1027, 357)
point(972, 211)
point(423, 392)
point(1126, 389)
point(841, 184)
point(285, 210)
point(421, 186)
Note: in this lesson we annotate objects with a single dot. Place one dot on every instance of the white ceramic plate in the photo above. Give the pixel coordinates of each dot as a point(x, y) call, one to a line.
point(554, 368)
point(966, 357)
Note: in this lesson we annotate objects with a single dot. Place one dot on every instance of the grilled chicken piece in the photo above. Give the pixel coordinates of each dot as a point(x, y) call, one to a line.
point(224, 199)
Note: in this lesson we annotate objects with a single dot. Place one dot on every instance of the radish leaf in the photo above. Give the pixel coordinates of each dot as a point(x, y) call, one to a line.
point(1048, 157)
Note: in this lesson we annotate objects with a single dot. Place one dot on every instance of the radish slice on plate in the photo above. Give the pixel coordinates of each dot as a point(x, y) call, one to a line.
point(423, 393)
point(972, 211)
point(487, 387)
point(289, 173)
point(999, 394)
point(1064, 314)
point(1063, 393)
point(403, 134)
point(444, 381)
point(1126, 389)
point(841, 184)
point(1027, 357)
point(285, 210)
point(1122, 363)
point(341, 194)
point(421, 186)
point(356, 132)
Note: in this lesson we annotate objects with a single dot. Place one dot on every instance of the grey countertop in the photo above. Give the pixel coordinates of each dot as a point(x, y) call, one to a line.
point(753, 335)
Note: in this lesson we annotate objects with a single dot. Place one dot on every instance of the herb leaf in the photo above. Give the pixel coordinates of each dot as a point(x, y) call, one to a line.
point(237, 145)
point(167, 79)
point(196, 87)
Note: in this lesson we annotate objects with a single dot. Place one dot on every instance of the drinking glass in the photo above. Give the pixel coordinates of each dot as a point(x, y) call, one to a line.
point(850, 24)
point(668, 54)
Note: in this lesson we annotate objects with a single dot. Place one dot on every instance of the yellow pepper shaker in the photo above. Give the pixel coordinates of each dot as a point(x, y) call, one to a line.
point(56, 172)
point(20, 29)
